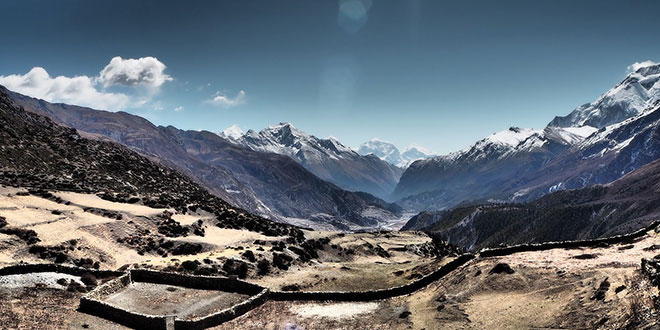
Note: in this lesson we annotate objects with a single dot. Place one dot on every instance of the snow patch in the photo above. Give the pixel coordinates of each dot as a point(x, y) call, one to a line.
point(335, 311)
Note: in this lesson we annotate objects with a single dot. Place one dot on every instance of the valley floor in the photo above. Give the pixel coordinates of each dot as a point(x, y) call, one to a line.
point(556, 289)
point(583, 288)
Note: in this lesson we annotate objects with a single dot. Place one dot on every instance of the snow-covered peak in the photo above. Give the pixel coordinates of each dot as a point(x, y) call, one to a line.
point(391, 154)
point(632, 96)
point(645, 68)
point(417, 148)
point(232, 132)
point(511, 142)
point(286, 139)
point(415, 152)
point(511, 137)
point(383, 150)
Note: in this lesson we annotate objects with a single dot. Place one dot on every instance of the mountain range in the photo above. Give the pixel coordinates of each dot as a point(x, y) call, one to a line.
point(41, 155)
point(391, 154)
point(268, 184)
point(328, 158)
point(285, 174)
point(623, 206)
point(524, 164)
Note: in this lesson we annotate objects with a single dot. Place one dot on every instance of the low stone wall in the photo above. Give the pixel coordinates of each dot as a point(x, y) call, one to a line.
point(496, 252)
point(196, 281)
point(374, 294)
point(93, 303)
point(56, 268)
point(110, 287)
point(224, 315)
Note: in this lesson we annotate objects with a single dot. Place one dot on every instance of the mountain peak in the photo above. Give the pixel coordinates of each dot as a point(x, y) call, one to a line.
point(284, 124)
point(390, 153)
point(639, 90)
point(232, 132)
point(644, 68)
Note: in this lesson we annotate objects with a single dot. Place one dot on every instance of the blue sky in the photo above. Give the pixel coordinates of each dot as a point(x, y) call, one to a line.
point(435, 73)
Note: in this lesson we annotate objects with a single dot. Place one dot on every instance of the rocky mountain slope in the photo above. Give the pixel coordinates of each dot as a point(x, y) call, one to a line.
point(630, 97)
point(391, 154)
point(484, 168)
point(326, 158)
point(622, 206)
point(40, 154)
point(603, 157)
point(264, 183)
point(523, 164)
point(285, 185)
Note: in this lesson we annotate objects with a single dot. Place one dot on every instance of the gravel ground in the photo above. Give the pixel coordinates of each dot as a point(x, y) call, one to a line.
point(159, 299)
point(49, 279)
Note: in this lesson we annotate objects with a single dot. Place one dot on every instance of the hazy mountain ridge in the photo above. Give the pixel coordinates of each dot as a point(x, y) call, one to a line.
point(631, 97)
point(482, 169)
point(40, 154)
point(622, 206)
point(603, 157)
point(328, 158)
point(390, 153)
point(524, 164)
point(265, 183)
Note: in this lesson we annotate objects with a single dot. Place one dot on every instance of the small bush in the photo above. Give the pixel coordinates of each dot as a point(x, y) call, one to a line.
point(88, 279)
point(263, 266)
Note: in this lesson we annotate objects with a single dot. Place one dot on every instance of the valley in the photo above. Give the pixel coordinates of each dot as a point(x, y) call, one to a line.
point(556, 288)
point(316, 165)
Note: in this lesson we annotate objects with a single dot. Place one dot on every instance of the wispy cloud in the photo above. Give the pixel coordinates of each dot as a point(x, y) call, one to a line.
point(228, 102)
point(177, 109)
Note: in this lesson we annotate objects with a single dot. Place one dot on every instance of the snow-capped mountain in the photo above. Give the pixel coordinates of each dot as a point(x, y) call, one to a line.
point(415, 152)
point(603, 157)
point(232, 132)
point(636, 92)
point(266, 184)
point(596, 143)
point(391, 154)
point(483, 168)
point(328, 158)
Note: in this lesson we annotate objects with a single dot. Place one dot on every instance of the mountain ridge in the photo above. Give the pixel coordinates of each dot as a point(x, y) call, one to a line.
point(266, 194)
point(511, 164)
point(391, 154)
point(328, 158)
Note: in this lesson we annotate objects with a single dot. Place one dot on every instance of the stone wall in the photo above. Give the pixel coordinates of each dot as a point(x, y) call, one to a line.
point(56, 268)
point(224, 315)
point(374, 294)
point(93, 303)
point(195, 282)
point(495, 252)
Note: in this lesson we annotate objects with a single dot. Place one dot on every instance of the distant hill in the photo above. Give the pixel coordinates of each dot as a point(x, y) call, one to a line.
point(622, 206)
point(40, 154)
point(266, 184)
point(328, 158)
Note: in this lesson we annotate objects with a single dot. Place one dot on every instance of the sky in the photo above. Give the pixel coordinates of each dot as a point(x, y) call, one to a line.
point(440, 74)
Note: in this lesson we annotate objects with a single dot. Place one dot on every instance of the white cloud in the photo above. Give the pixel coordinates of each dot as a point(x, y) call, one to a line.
point(638, 65)
point(179, 108)
point(145, 71)
point(85, 91)
point(78, 90)
point(228, 102)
